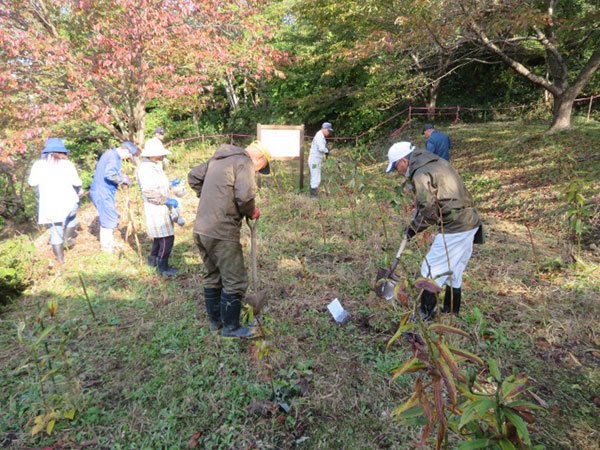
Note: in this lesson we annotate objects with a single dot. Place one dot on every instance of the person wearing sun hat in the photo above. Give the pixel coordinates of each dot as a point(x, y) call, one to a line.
point(59, 187)
point(443, 201)
point(155, 188)
point(107, 178)
point(225, 185)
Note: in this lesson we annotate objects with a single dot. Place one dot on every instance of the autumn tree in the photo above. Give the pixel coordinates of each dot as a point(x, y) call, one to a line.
point(566, 34)
point(103, 60)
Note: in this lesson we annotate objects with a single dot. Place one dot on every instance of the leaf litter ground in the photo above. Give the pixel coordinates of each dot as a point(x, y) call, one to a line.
point(149, 374)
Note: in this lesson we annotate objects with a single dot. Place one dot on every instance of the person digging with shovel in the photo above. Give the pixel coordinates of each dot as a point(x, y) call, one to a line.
point(441, 200)
point(226, 187)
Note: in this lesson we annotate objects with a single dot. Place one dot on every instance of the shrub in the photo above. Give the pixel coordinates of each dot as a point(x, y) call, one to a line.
point(16, 267)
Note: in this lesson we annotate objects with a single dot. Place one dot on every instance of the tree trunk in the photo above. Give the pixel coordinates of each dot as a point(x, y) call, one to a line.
point(232, 98)
point(434, 91)
point(561, 111)
point(139, 120)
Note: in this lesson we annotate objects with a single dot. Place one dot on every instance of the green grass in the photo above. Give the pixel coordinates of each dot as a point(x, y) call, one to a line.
point(148, 374)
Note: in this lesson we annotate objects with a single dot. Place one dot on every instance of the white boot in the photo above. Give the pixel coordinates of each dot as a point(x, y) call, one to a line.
point(107, 241)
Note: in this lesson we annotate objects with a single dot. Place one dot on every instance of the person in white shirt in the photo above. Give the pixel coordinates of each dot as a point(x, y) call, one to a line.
point(59, 187)
point(315, 157)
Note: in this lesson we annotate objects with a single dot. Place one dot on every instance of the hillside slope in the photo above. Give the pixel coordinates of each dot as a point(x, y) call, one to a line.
point(139, 368)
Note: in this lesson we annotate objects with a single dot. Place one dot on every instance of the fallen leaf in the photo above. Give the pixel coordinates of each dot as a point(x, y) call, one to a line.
point(303, 386)
point(265, 408)
point(193, 442)
point(428, 285)
point(541, 342)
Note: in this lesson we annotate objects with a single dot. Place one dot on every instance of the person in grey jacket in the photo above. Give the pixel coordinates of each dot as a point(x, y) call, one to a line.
point(443, 201)
point(226, 187)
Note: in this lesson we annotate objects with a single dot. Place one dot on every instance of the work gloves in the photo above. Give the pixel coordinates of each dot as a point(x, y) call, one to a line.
point(256, 214)
point(175, 182)
point(409, 232)
point(126, 180)
point(172, 202)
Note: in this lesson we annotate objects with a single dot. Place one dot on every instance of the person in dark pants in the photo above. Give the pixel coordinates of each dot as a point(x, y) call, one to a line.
point(155, 188)
point(226, 187)
point(437, 142)
point(443, 201)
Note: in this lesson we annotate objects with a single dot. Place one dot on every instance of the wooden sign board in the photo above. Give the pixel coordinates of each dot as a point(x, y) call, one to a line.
point(284, 143)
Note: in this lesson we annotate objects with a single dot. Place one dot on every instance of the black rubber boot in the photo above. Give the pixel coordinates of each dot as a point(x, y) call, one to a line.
point(163, 267)
point(231, 306)
point(59, 252)
point(314, 192)
point(152, 261)
point(69, 237)
point(427, 307)
point(212, 300)
point(455, 292)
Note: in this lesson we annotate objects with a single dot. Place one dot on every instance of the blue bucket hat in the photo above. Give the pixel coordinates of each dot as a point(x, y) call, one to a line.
point(159, 131)
point(54, 145)
point(327, 126)
point(130, 146)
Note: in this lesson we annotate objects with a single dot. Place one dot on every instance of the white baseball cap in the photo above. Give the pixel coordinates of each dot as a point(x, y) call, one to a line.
point(398, 151)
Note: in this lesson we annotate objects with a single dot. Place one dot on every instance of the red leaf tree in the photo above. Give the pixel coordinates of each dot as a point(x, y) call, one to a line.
point(103, 60)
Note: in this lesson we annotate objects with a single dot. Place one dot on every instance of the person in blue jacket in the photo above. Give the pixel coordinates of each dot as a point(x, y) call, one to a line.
point(107, 177)
point(437, 142)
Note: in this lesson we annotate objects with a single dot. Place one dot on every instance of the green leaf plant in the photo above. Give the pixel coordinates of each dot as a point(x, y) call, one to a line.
point(48, 363)
point(455, 390)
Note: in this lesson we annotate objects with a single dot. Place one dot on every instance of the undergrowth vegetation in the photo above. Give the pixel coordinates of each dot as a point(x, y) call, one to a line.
point(101, 354)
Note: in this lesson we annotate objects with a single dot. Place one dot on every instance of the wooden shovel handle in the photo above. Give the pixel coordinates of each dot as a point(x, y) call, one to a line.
point(398, 254)
point(253, 252)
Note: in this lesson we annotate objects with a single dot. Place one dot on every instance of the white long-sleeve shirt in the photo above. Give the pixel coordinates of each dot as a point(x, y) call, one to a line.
point(318, 147)
point(56, 182)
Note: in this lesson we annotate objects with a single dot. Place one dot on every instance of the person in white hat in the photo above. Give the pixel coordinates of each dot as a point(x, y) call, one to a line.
point(155, 187)
point(441, 200)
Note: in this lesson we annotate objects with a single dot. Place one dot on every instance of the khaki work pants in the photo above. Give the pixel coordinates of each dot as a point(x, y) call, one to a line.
point(223, 264)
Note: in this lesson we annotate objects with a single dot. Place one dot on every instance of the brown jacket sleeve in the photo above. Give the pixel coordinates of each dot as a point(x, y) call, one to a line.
point(244, 188)
point(154, 197)
point(427, 208)
point(196, 178)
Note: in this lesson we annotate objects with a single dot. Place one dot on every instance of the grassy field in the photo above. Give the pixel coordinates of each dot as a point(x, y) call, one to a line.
point(137, 368)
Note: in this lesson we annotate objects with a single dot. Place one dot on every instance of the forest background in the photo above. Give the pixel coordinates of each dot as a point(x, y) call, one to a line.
point(96, 73)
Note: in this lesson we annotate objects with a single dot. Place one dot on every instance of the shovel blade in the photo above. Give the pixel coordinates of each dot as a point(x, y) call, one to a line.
point(385, 283)
point(257, 300)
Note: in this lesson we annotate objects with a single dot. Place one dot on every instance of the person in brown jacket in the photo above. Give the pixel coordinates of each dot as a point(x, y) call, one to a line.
point(442, 200)
point(226, 187)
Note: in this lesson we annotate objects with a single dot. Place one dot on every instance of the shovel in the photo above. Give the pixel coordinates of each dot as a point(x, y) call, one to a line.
point(384, 287)
point(257, 299)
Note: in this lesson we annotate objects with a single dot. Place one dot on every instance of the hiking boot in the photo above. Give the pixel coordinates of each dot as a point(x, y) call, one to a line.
point(314, 193)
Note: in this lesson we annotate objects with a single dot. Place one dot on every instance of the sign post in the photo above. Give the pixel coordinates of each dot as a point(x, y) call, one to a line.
point(284, 143)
